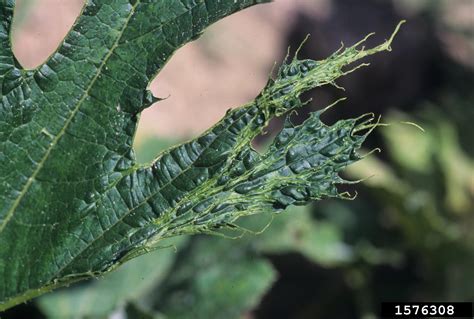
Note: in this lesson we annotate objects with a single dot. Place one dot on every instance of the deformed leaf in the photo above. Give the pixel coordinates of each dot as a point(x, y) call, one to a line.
point(74, 204)
point(66, 130)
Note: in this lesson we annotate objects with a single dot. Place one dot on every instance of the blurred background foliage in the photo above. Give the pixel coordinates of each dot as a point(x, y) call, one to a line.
point(407, 237)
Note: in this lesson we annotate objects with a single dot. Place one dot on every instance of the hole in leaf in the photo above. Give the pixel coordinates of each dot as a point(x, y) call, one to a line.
point(39, 26)
point(262, 142)
point(227, 67)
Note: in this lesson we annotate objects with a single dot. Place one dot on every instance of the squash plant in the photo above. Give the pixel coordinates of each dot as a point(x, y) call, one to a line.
point(74, 204)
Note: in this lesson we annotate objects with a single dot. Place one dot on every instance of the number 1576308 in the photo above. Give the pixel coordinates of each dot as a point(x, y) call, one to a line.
point(426, 309)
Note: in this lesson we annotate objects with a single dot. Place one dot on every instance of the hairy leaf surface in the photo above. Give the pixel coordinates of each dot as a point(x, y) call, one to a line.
point(73, 202)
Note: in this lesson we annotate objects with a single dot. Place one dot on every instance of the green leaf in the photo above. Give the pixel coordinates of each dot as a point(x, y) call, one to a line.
point(74, 204)
point(125, 286)
point(319, 241)
point(234, 277)
point(66, 130)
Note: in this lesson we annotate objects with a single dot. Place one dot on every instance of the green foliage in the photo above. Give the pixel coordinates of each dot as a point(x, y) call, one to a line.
point(234, 277)
point(234, 272)
point(355, 239)
point(319, 242)
point(427, 202)
point(167, 284)
point(74, 203)
point(130, 283)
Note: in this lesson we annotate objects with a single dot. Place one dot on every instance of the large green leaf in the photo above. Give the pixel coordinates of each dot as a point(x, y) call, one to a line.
point(66, 131)
point(73, 202)
point(319, 241)
point(213, 279)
